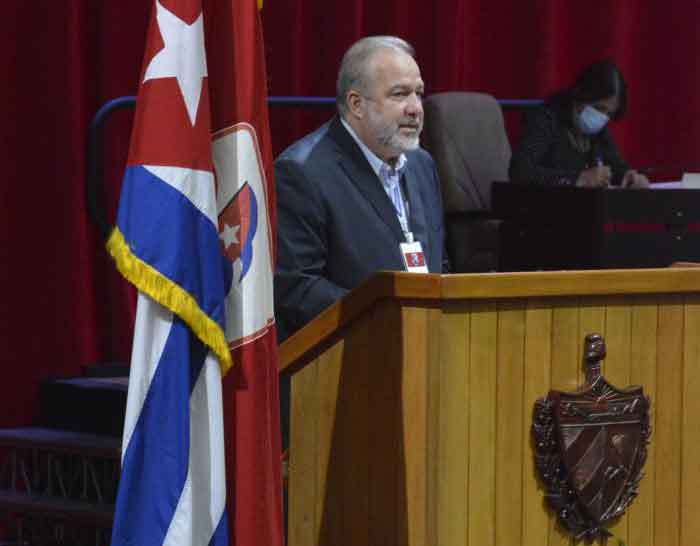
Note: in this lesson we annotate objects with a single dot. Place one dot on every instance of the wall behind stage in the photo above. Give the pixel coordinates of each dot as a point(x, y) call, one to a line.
point(63, 305)
point(510, 49)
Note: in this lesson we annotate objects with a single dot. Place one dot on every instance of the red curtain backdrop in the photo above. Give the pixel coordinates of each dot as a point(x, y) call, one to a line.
point(63, 304)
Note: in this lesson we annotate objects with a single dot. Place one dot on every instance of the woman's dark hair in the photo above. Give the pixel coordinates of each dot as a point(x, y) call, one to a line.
point(599, 81)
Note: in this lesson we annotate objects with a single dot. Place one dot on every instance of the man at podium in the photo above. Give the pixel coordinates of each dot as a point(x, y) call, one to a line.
point(357, 195)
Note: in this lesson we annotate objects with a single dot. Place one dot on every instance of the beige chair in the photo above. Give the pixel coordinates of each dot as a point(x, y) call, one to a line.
point(466, 135)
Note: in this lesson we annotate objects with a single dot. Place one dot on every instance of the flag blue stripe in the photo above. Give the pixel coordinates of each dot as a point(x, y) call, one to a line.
point(220, 536)
point(156, 460)
point(164, 229)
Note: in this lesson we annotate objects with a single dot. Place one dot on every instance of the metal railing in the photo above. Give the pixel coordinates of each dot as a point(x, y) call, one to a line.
point(95, 145)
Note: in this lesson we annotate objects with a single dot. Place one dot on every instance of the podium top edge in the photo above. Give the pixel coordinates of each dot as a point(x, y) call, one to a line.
point(436, 290)
point(537, 283)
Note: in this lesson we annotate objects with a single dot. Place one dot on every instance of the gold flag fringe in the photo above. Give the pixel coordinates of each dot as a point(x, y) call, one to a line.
point(170, 295)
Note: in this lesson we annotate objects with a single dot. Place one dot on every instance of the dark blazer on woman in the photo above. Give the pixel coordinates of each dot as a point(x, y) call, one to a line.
point(547, 155)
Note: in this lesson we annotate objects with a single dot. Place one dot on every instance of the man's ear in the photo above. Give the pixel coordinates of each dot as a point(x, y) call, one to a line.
point(354, 101)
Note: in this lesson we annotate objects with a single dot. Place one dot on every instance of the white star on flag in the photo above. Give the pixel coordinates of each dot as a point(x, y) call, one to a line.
point(183, 57)
point(230, 235)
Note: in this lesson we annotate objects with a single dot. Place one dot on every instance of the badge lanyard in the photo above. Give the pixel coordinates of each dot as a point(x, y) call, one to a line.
point(400, 205)
point(411, 250)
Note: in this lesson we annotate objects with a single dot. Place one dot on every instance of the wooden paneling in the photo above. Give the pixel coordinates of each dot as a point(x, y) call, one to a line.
point(643, 356)
point(412, 520)
point(536, 383)
point(414, 428)
point(510, 374)
point(483, 358)
point(566, 366)
point(434, 359)
point(690, 425)
point(386, 456)
point(303, 468)
point(453, 440)
point(329, 498)
point(667, 425)
point(618, 340)
point(352, 446)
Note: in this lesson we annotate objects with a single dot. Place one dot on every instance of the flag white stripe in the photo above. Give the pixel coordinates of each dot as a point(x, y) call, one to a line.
point(203, 498)
point(151, 331)
point(196, 186)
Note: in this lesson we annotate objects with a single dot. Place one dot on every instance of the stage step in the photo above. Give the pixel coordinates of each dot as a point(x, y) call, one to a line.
point(58, 480)
point(58, 487)
point(94, 405)
point(61, 441)
point(75, 511)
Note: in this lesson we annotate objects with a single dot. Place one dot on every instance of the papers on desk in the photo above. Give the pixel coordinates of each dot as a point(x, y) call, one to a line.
point(690, 181)
point(677, 185)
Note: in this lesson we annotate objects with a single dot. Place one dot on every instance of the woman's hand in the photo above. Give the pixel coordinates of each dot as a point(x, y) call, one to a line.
point(594, 177)
point(634, 180)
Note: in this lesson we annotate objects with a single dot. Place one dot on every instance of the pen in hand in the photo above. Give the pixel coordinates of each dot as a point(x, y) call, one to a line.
point(604, 173)
point(595, 176)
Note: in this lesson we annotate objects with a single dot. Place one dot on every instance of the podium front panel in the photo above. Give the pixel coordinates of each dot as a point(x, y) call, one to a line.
point(413, 426)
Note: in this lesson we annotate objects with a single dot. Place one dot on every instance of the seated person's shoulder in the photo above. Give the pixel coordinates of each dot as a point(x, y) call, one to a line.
point(306, 149)
point(544, 114)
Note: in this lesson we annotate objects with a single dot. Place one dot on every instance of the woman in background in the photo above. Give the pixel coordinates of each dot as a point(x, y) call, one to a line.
point(567, 143)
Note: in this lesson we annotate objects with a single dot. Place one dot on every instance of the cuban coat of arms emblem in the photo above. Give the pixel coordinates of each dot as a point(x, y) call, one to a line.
point(590, 448)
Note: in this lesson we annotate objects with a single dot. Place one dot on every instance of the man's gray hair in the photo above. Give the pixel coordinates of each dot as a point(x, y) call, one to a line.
point(353, 68)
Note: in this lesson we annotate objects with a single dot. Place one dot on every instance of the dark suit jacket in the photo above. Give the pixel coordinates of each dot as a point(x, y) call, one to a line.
point(337, 226)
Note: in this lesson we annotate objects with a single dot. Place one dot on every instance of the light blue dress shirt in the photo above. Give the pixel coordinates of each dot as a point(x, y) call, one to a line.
point(389, 176)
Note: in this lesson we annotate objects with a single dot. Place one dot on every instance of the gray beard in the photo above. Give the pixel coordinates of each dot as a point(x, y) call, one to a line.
point(390, 137)
point(395, 141)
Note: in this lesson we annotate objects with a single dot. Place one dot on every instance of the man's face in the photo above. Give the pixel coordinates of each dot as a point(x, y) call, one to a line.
point(392, 110)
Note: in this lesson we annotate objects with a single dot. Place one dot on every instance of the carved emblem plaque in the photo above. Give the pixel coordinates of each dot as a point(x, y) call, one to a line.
point(590, 447)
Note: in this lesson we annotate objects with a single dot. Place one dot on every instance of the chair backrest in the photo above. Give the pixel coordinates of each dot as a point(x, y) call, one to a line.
point(466, 136)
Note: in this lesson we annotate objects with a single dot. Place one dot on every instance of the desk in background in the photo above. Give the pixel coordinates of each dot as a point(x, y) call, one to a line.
point(574, 228)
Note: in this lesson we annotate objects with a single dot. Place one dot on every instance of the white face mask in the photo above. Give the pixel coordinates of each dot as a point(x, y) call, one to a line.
point(591, 121)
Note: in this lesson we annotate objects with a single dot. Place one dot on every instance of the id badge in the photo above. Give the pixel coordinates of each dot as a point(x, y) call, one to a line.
point(413, 257)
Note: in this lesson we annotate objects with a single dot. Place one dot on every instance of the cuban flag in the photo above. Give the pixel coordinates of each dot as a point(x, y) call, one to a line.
point(194, 234)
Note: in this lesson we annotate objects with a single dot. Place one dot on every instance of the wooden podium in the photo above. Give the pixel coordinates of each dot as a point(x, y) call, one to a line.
point(412, 401)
